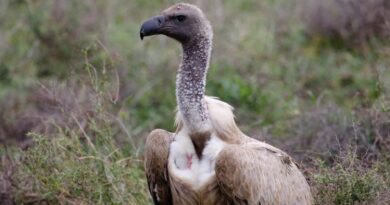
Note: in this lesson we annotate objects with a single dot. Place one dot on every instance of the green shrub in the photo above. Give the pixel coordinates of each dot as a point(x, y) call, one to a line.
point(349, 182)
point(71, 169)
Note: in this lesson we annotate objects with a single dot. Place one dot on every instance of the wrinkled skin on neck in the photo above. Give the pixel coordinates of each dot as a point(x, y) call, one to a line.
point(191, 82)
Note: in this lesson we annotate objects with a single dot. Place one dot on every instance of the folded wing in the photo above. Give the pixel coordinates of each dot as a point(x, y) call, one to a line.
point(156, 160)
point(257, 173)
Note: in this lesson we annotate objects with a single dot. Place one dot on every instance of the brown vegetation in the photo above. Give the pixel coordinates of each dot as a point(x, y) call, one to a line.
point(354, 22)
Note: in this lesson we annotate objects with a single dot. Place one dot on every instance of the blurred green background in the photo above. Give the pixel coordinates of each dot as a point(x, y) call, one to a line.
point(309, 76)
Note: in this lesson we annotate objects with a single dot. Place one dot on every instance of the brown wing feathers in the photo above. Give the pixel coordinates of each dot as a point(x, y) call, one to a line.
point(156, 161)
point(257, 175)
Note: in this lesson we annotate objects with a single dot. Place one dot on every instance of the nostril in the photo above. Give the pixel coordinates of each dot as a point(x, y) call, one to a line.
point(160, 20)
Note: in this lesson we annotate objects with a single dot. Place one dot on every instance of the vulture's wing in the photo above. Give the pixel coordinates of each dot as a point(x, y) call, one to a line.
point(257, 173)
point(156, 160)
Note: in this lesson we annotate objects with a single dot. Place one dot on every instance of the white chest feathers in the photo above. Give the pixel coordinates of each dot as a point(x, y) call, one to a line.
point(185, 164)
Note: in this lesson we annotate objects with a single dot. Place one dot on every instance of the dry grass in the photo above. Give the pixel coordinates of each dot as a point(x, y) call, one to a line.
point(70, 136)
point(49, 106)
point(328, 132)
point(345, 155)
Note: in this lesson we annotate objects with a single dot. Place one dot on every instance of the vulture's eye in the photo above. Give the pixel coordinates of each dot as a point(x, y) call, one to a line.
point(180, 18)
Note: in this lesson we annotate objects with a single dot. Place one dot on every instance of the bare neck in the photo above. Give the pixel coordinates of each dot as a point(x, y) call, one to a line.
point(191, 82)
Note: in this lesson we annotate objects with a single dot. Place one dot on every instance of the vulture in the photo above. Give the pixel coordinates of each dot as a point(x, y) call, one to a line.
point(208, 160)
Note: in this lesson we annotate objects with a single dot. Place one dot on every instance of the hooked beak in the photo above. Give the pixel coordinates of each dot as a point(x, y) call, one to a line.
point(151, 27)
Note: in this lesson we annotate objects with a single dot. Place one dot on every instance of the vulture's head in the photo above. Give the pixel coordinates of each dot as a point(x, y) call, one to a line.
point(183, 22)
